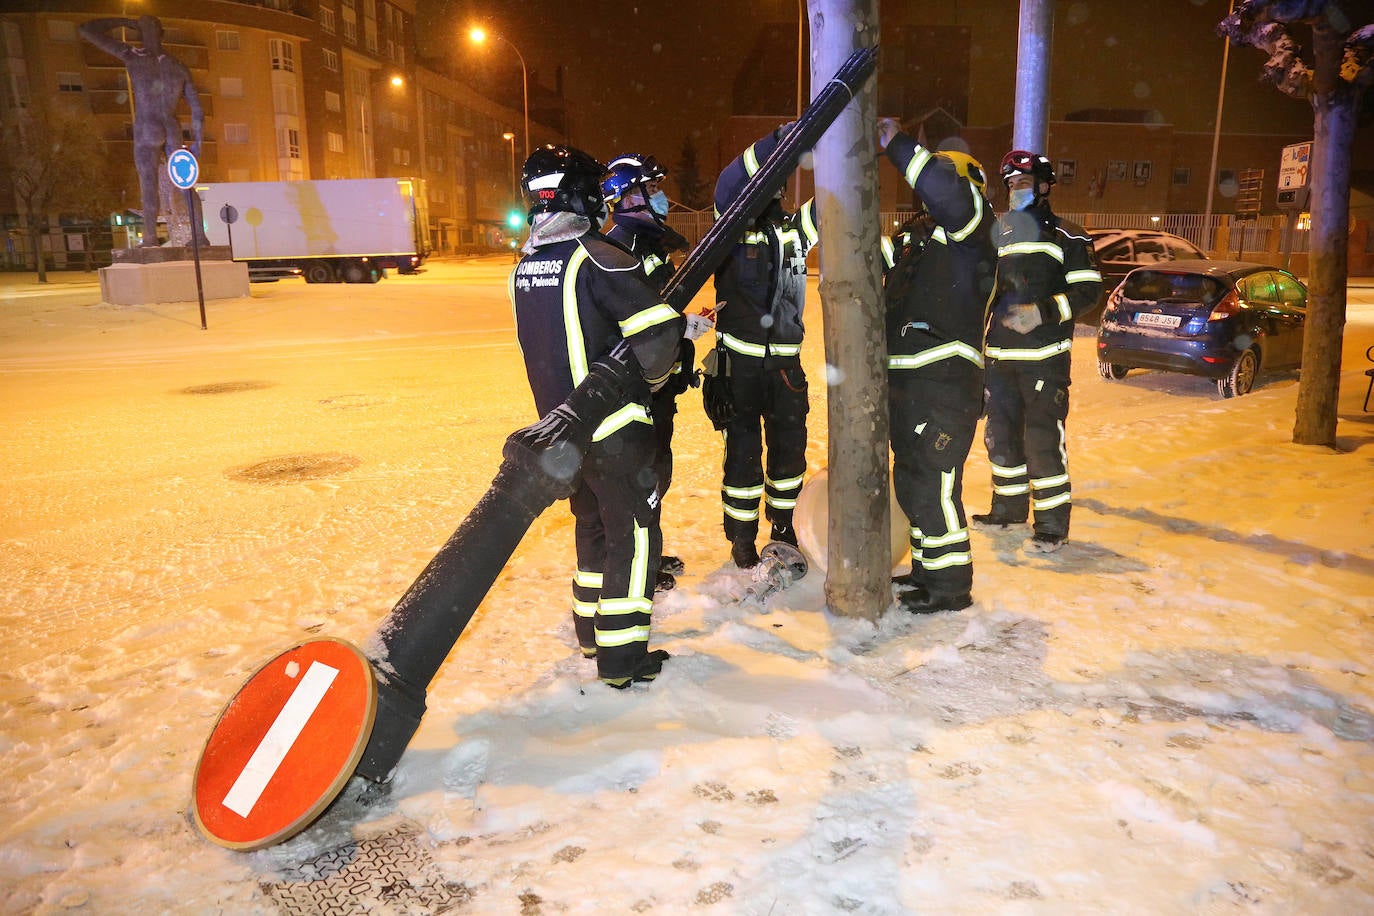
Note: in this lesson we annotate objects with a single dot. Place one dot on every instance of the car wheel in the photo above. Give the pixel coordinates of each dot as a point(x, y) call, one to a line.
point(319, 272)
point(356, 273)
point(1241, 378)
point(1111, 371)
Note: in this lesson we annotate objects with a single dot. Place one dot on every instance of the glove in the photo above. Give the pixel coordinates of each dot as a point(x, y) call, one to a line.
point(717, 401)
point(784, 129)
point(1022, 318)
point(887, 129)
point(696, 326)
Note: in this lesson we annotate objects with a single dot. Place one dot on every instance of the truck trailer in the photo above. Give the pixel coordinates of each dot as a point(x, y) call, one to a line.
point(337, 230)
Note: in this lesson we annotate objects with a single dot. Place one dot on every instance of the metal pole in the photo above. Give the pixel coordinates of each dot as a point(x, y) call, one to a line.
point(1216, 142)
point(195, 250)
point(1031, 111)
point(801, 51)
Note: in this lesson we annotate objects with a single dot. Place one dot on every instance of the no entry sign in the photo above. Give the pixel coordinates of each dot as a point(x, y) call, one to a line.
point(286, 744)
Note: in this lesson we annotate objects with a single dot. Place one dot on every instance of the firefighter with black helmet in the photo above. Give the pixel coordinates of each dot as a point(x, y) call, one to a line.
point(632, 189)
point(757, 378)
point(936, 291)
point(1047, 276)
point(576, 296)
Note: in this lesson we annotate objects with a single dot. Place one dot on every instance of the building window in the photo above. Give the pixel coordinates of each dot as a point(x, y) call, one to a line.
point(332, 101)
point(231, 87)
point(69, 82)
point(236, 133)
point(400, 156)
point(61, 30)
point(350, 30)
point(327, 20)
point(284, 100)
point(283, 55)
point(227, 41)
point(335, 142)
point(288, 143)
point(331, 60)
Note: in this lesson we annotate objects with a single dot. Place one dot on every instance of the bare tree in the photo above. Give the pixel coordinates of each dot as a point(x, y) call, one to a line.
point(692, 189)
point(1333, 79)
point(55, 164)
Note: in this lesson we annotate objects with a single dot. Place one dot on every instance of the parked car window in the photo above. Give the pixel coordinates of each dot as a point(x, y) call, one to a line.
point(1153, 286)
point(1150, 251)
point(1183, 252)
point(1118, 252)
point(1290, 291)
point(1257, 287)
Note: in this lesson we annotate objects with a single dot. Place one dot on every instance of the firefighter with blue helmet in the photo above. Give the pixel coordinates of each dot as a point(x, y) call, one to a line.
point(576, 296)
point(632, 189)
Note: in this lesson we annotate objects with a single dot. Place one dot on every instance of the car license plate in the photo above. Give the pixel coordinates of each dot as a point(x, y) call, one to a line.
point(1157, 321)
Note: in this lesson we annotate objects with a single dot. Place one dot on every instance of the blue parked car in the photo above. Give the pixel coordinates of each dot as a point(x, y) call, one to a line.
point(1223, 320)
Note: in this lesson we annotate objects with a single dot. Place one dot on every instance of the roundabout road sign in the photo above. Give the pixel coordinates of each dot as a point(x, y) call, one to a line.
point(286, 745)
point(183, 169)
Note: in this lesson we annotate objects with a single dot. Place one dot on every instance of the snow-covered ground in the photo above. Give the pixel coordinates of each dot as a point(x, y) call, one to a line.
point(1175, 714)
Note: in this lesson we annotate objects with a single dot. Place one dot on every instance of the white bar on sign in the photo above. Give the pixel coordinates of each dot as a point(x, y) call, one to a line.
point(271, 751)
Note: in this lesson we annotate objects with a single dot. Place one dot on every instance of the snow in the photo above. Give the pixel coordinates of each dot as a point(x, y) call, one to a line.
point(1171, 715)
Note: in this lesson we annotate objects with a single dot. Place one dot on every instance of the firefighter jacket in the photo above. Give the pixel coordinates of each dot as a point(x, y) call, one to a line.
point(940, 269)
point(574, 301)
point(762, 282)
point(1045, 261)
point(649, 242)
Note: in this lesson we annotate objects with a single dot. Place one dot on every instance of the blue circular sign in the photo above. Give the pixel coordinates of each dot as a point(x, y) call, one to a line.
point(183, 169)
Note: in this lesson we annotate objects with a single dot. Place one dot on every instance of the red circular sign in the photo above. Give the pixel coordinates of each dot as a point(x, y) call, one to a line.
point(286, 744)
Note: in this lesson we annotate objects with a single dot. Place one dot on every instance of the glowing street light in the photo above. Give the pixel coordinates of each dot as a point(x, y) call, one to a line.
point(479, 36)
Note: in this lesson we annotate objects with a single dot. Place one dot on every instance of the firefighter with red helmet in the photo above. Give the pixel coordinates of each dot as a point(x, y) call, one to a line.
point(1047, 276)
point(576, 296)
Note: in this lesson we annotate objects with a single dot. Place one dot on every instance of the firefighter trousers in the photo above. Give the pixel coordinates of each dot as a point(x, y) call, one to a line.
point(771, 405)
point(618, 547)
point(934, 421)
point(1027, 407)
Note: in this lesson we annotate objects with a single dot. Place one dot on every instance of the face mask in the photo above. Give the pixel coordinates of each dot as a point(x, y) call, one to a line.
point(659, 203)
point(1021, 198)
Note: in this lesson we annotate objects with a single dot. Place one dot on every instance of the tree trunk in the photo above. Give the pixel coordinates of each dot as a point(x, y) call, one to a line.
point(859, 568)
point(39, 263)
point(1333, 103)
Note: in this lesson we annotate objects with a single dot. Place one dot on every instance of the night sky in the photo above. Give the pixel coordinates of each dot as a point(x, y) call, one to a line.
point(643, 77)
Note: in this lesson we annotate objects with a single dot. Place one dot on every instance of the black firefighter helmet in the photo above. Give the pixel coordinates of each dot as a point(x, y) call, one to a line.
point(563, 179)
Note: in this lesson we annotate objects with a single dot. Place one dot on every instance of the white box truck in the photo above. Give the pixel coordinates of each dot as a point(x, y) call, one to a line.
point(339, 230)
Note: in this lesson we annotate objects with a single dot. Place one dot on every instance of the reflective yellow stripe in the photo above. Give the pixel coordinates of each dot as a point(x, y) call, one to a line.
point(787, 483)
point(1053, 349)
point(1048, 248)
point(889, 252)
point(1044, 483)
point(1012, 489)
point(1082, 276)
point(934, 355)
point(639, 565)
point(946, 561)
point(1050, 502)
point(742, 492)
point(777, 503)
point(961, 234)
point(630, 413)
point(917, 165)
point(572, 321)
point(614, 607)
point(647, 318)
point(584, 608)
point(651, 263)
point(944, 540)
point(1001, 471)
point(610, 638)
point(745, 348)
point(751, 161)
point(938, 235)
point(1065, 313)
point(587, 579)
point(808, 222)
point(947, 506)
point(742, 515)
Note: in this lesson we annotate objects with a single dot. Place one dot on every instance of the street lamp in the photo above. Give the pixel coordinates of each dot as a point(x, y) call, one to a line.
point(511, 137)
point(480, 35)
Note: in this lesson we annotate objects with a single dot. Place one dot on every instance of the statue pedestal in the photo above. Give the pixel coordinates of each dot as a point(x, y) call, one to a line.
point(141, 276)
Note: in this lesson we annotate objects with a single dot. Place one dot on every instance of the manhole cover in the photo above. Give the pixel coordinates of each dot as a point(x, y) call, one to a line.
point(226, 387)
point(391, 873)
point(291, 468)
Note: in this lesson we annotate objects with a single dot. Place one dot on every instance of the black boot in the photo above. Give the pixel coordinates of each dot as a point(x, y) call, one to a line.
point(744, 553)
point(923, 602)
point(664, 582)
point(785, 533)
point(908, 581)
point(647, 669)
point(997, 519)
point(671, 564)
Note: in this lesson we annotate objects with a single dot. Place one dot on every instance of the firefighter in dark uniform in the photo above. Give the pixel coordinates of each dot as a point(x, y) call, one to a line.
point(576, 296)
point(936, 293)
point(761, 293)
point(1046, 277)
point(639, 210)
